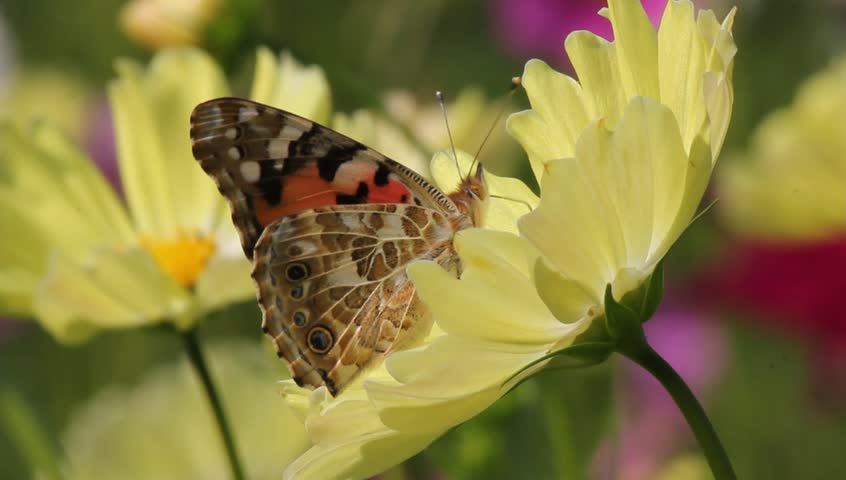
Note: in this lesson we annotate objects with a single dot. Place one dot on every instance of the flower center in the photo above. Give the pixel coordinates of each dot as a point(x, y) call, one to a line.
point(184, 258)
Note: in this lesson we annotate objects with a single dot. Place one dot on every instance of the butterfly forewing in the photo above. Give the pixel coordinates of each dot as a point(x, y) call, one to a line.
point(269, 163)
point(330, 225)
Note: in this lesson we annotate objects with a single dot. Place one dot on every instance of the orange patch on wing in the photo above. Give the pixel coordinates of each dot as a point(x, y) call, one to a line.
point(393, 192)
point(267, 214)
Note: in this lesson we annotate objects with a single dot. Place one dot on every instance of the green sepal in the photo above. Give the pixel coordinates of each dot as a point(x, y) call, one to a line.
point(654, 293)
point(620, 321)
point(575, 356)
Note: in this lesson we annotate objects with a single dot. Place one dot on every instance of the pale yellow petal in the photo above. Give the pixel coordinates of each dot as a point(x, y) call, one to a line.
point(648, 173)
point(568, 300)
point(478, 372)
point(225, 280)
point(51, 185)
point(576, 227)
point(637, 49)
point(495, 298)
point(117, 289)
point(285, 83)
point(681, 62)
point(362, 457)
point(550, 130)
point(597, 66)
point(23, 248)
point(165, 190)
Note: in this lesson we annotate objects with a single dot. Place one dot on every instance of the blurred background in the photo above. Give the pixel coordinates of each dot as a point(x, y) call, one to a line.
point(752, 318)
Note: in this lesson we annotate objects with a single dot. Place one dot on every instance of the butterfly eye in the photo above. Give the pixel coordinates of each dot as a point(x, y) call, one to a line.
point(296, 271)
point(320, 339)
point(300, 318)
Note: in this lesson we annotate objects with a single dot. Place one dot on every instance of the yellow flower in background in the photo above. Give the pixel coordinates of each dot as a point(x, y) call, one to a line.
point(162, 428)
point(46, 94)
point(168, 23)
point(77, 258)
point(408, 131)
point(789, 184)
point(471, 117)
point(376, 422)
point(623, 158)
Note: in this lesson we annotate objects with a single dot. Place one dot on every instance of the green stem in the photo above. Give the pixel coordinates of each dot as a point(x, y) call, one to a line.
point(27, 434)
point(198, 361)
point(643, 354)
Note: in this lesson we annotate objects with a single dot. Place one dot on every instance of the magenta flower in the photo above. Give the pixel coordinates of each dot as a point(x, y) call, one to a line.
point(796, 287)
point(537, 28)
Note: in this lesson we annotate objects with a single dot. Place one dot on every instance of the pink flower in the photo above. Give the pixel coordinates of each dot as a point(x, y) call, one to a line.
point(796, 287)
point(537, 28)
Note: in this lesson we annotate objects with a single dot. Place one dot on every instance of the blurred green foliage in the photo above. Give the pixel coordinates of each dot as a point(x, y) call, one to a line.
point(772, 425)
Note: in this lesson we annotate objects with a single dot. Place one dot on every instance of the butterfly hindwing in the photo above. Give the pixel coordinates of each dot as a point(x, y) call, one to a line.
point(333, 287)
point(270, 163)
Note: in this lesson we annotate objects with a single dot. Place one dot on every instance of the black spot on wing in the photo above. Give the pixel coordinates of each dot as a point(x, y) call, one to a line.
point(305, 145)
point(329, 164)
point(270, 184)
point(381, 177)
point(360, 196)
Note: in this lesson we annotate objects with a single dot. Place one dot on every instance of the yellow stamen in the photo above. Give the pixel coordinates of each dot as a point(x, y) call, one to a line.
point(184, 258)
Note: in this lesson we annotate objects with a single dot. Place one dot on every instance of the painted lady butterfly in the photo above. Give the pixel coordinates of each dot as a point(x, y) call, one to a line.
point(330, 225)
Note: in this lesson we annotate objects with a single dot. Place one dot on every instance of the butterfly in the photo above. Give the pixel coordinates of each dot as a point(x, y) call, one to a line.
point(330, 226)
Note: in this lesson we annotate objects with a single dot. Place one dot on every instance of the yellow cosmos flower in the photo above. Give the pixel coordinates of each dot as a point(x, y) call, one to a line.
point(161, 428)
point(789, 184)
point(623, 159)
point(624, 155)
point(167, 23)
point(471, 116)
point(408, 131)
point(375, 423)
point(77, 258)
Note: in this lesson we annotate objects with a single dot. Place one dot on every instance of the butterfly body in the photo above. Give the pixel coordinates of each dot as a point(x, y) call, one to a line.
point(330, 225)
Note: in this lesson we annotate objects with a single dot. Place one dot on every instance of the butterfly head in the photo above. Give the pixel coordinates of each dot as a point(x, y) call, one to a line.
point(471, 196)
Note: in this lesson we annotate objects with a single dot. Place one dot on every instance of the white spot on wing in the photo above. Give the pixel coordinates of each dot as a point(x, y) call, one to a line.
point(277, 148)
point(351, 222)
point(290, 132)
point(234, 154)
point(246, 113)
point(251, 171)
point(231, 133)
point(307, 248)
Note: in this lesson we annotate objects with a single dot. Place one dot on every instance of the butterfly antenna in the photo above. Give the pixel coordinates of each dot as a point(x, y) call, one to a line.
point(441, 102)
point(517, 200)
point(515, 82)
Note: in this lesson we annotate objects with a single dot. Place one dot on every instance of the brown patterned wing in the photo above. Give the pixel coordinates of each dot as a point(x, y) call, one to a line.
point(333, 287)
